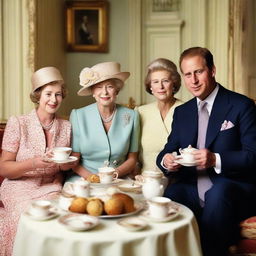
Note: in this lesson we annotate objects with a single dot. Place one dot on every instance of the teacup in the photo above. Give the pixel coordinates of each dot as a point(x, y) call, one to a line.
point(61, 153)
point(187, 154)
point(40, 208)
point(159, 207)
point(81, 188)
point(107, 175)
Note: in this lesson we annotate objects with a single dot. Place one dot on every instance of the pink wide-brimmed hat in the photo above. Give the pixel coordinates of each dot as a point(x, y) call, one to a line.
point(99, 73)
point(45, 76)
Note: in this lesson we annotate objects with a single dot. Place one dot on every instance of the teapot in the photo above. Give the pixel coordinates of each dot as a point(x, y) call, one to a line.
point(151, 184)
point(187, 155)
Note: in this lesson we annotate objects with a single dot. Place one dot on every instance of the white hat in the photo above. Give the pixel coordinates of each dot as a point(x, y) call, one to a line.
point(45, 76)
point(99, 73)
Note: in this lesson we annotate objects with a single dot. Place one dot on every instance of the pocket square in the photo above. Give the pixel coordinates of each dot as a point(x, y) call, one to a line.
point(226, 125)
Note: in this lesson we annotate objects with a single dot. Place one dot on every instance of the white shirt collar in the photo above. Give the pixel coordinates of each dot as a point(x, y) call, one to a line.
point(210, 99)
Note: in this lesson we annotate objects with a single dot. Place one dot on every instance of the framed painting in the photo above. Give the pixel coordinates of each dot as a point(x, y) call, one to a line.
point(87, 26)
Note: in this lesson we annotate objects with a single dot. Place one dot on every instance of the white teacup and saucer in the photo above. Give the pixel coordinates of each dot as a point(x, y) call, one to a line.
point(186, 157)
point(107, 175)
point(161, 209)
point(41, 210)
point(61, 155)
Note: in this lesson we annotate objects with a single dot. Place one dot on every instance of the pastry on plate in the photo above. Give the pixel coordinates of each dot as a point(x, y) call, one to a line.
point(95, 207)
point(93, 178)
point(127, 201)
point(114, 206)
point(79, 205)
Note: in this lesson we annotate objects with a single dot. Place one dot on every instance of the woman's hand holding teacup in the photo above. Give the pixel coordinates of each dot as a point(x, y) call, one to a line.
point(68, 166)
point(43, 162)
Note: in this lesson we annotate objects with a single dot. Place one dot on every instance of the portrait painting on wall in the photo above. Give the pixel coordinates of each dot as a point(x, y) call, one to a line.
point(86, 26)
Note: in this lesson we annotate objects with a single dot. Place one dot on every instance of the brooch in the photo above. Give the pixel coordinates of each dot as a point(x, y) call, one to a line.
point(126, 118)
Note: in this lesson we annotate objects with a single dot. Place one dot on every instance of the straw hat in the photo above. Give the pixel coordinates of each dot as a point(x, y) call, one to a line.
point(45, 76)
point(99, 73)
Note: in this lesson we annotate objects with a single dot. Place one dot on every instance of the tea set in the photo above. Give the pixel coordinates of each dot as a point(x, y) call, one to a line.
point(151, 184)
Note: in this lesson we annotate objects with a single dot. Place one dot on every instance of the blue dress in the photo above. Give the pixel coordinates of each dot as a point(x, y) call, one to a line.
point(90, 139)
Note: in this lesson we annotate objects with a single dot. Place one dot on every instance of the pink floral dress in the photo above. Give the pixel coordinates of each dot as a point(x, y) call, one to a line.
point(25, 137)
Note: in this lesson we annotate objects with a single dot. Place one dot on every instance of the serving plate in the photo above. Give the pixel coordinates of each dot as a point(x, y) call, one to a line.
point(101, 185)
point(138, 206)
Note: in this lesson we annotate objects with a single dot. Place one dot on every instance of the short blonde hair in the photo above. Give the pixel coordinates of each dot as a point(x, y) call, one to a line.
point(117, 82)
point(159, 65)
point(36, 95)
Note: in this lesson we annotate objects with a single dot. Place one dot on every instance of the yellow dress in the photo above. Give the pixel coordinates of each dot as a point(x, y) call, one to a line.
point(154, 133)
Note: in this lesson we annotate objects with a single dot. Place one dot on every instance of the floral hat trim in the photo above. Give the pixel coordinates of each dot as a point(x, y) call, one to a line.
point(88, 76)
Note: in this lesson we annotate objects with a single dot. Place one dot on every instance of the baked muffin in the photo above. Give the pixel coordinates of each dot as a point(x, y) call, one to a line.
point(114, 206)
point(93, 178)
point(127, 201)
point(95, 207)
point(79, 205)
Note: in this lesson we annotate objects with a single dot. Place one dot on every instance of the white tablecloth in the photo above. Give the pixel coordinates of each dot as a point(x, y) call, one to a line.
point(178, 237)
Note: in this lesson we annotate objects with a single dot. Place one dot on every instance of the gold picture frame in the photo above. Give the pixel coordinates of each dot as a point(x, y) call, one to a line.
point(87, 26)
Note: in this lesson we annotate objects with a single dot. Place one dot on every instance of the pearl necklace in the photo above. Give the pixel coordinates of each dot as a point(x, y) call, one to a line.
point(48, 126)
point(108, 119)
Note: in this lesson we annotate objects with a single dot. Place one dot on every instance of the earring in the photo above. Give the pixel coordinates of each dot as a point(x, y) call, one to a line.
point(93, 95)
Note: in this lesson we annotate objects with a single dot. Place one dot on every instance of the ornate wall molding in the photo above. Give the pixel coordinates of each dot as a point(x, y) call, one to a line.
point(237, 78)
point(135, 80)
point(15, 82)
point(31, 56)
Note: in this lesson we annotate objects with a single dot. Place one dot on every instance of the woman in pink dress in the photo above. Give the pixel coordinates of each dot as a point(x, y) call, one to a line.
point(28, 172)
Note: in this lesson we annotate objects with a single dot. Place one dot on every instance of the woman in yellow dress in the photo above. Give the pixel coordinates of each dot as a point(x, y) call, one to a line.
point(162, 81)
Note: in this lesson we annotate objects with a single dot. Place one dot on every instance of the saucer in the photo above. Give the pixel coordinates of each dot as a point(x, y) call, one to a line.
point(69, 160)
point(182, 162)
point(132, 223)
point(78, 222)
point(170, 216)
point(130, 187)
point(114, 182)
point(50, 215)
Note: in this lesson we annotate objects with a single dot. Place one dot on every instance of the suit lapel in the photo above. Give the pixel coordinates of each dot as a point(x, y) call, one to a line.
point(219, 111)
point(190, 117)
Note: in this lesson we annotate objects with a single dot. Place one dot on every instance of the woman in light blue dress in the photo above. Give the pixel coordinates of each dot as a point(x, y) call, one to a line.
point(104, 132)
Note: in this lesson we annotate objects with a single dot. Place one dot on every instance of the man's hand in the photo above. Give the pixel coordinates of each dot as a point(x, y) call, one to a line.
point(204, 158)
point(169, 164)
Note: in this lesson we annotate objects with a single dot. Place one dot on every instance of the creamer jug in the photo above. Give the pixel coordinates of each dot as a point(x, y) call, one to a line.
point(152, 186)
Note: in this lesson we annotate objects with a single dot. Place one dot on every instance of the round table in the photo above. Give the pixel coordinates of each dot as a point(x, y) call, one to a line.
point(178, 237)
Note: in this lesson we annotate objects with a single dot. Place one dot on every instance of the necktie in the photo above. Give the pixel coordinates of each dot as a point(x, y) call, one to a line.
point(203, 181)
